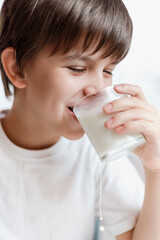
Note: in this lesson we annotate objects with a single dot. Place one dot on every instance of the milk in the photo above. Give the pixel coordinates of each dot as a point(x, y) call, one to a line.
point(106, 142)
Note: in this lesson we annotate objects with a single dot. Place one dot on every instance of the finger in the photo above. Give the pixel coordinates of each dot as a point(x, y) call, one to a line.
point(148, 129)
point(128, 103)
point(129, 115)
point(133, 90)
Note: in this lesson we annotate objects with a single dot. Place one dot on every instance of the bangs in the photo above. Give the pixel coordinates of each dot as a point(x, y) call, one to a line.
point(107, 29)
point(108, 46)
point(103, 24)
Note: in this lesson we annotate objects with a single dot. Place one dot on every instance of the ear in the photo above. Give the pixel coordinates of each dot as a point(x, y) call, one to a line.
point(8, 58)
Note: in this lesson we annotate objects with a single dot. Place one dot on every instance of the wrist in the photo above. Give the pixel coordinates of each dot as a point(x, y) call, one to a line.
point(152, 172)
point(151, 166)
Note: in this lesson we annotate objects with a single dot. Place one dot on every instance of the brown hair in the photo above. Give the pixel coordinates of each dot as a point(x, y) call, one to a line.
point(29, 25)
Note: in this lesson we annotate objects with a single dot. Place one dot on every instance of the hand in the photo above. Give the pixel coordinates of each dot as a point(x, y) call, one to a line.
point(135, 115)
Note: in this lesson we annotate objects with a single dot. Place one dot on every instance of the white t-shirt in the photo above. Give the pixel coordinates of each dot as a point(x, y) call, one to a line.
point(53, 194)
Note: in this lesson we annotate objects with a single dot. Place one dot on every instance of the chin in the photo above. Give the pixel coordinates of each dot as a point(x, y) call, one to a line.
point(74, 136)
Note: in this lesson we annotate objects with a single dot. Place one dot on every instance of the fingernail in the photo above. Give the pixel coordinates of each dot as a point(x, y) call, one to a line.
point(110, 121)
point(119, 128)
point(108, 107)
point(119, 86)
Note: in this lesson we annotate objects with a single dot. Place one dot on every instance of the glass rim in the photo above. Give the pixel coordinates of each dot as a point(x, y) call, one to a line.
point(109, 95)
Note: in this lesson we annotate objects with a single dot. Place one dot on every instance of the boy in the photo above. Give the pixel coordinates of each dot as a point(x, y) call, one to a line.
point(50, 51)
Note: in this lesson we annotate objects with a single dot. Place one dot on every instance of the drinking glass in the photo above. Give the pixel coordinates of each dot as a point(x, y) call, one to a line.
point(106, 142)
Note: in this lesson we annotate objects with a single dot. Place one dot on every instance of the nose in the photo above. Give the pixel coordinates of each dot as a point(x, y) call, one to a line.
point(96, 84)
point(89, 90)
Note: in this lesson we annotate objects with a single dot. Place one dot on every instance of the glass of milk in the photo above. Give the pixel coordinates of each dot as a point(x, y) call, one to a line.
point(108, 145)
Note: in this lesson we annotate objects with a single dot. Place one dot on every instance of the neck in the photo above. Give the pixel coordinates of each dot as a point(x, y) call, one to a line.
point(26, 131)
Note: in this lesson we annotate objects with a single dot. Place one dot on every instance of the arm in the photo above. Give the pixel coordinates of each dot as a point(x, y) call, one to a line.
point(125, 236)
point(149, 218)
point(148, 224)
point(135, 115)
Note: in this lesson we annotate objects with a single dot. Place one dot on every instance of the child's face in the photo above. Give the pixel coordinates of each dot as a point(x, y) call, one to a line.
point(53, 82)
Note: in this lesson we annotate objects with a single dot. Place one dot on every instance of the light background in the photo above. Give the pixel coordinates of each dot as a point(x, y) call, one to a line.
point(142, 65)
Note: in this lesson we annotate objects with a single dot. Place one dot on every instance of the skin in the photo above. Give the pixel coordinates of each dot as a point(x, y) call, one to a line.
point(45, 89)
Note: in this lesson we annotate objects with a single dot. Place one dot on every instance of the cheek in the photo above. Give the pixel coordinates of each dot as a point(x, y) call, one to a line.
point(49, 87)
point(59, 84)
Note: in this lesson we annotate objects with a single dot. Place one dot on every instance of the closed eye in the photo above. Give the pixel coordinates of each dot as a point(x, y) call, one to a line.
point(77, 70)
point(108, 72)
point(83, 70)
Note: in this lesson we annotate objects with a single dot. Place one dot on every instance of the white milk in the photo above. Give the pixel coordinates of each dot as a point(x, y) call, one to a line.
point(107, 143)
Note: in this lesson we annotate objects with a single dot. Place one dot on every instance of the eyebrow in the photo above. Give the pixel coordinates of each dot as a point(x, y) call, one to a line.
point(79, 57)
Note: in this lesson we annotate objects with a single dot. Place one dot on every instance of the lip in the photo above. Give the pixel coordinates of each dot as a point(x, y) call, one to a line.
point(70, 110)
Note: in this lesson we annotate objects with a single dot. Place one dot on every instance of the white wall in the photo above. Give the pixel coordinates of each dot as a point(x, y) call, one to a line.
point(142, 65)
